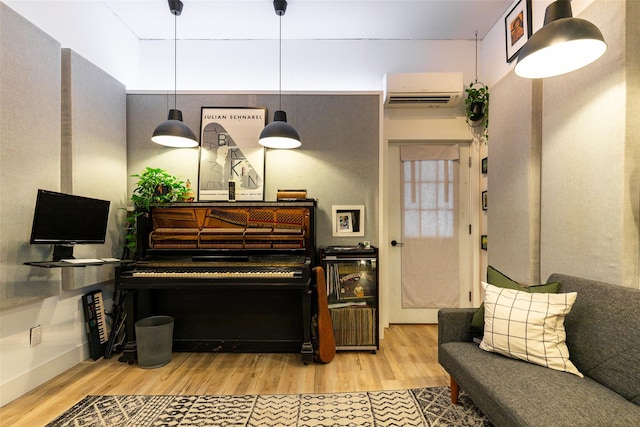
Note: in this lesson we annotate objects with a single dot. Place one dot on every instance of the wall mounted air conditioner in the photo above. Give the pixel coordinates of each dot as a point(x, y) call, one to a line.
point(420, 90)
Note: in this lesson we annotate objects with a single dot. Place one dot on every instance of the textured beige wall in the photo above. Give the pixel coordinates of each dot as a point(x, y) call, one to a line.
point(631, 203)
point(585, 177)
point(514, 178)
point(94, 147)
point(564, 175)
point(29, 151)
point(88, 160)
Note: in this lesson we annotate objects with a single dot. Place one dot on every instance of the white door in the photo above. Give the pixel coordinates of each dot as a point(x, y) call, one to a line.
point(402, 308)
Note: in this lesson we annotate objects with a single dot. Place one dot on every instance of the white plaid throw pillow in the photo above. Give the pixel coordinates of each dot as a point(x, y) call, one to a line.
point(528, 326)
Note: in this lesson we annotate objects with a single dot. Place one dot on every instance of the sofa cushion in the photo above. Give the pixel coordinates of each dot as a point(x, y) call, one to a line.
point(501, 280)
point(528, 326)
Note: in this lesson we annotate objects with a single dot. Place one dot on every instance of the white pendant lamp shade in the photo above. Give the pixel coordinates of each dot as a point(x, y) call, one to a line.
point(174, 133)
point(279, 133)
point(562, 45)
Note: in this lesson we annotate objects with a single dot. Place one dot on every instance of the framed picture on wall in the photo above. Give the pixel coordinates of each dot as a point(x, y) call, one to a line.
point(347, 220)
point(484, 165)
point(517, 28)
point(484, 200)
point(230, 155)
point(483, 242)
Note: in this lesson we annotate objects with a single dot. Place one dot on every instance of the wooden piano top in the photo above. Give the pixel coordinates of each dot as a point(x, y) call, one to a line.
point(212, 226)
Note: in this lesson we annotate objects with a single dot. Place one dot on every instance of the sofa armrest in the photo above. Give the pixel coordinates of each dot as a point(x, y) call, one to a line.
point(454, 325)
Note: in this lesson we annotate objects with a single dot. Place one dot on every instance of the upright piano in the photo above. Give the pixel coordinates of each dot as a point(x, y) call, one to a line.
point(235, 276)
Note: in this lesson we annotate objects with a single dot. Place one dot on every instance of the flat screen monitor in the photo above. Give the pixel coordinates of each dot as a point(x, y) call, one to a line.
point(65, 220)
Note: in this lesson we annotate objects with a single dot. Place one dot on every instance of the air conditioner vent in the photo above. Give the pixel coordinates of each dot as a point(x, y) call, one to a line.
point(420, 90)
point(423, 100)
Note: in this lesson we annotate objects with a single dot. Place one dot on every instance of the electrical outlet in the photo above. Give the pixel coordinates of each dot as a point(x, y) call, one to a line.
point(35, 335)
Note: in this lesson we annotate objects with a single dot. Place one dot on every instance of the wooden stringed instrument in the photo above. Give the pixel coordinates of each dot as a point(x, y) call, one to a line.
point(324, 343)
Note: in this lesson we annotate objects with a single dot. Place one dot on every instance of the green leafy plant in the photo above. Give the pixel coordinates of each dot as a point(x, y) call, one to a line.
point(155, 185)
point(477, 106)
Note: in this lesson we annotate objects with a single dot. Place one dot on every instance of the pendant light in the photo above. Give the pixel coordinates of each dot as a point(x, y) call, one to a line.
point(562, 45)
point(278, 133)
point(173, 132)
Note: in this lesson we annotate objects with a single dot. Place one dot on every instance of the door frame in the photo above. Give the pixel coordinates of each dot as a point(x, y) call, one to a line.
point(407, 126)
point(394, 226)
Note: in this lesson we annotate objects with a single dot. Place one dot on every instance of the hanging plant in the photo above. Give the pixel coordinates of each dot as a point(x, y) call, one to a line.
point(477, 106)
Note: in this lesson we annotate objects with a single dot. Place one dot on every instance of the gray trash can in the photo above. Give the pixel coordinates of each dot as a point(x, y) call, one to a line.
point(154, 340)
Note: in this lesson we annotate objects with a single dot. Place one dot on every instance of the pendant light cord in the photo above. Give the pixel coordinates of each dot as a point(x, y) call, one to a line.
point(476, 56)
point(175, 62)
point(280, 67)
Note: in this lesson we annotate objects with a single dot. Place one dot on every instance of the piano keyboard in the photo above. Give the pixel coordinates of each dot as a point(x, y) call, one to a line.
point(209, 274)
point(95, 322)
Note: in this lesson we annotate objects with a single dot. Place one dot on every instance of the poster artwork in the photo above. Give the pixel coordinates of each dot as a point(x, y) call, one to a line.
point(230, 155)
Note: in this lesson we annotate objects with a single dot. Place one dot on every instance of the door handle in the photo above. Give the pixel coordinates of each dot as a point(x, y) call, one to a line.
point(396, 243)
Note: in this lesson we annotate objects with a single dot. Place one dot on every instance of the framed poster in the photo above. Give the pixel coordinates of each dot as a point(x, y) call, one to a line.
point(517, 28)
point(347, 220)
point(230, 153)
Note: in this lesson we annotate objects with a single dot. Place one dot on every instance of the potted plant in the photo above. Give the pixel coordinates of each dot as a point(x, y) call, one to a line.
point(477, 106)
point(154, 185)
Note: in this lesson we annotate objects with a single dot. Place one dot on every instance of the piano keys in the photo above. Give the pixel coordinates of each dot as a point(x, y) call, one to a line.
point(232, 273)
point(185, 274)
point(268, 268)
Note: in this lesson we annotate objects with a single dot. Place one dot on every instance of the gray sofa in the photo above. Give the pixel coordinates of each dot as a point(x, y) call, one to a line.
point(603, 338)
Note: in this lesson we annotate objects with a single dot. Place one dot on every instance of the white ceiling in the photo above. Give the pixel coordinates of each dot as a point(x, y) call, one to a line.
point(313, 19)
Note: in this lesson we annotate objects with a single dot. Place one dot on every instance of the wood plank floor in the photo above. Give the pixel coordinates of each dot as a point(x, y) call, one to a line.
point(407, 359)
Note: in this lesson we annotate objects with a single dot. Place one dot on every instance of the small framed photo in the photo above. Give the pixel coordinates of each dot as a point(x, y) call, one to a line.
point(484, 165)
point(517, 28)
point(484, 200)
point(347, 220)
point(483, 242)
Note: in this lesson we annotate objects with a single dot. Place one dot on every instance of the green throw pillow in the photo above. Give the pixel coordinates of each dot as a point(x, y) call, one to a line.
point(500, 280)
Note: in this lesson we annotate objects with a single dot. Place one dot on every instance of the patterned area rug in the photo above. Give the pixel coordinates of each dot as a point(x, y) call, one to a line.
point(416, 407)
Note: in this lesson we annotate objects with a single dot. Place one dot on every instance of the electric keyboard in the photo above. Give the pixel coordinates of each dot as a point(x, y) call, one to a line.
point(95, 323)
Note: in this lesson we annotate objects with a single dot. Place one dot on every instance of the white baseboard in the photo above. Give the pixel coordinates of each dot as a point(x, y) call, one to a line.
point(37, 376)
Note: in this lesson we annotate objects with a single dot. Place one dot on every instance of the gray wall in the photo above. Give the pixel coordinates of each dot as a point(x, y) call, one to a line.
point(564, 155)
point(337, 163)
